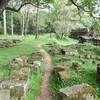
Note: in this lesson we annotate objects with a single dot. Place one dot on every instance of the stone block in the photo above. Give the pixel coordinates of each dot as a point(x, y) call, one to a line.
point(78, 92)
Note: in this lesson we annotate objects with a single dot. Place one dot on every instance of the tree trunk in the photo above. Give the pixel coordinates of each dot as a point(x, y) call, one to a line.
point(37, 27)
point(26, 23)
point(12, 24)
point(23, 25)
point(49, 22)
point(5, 25)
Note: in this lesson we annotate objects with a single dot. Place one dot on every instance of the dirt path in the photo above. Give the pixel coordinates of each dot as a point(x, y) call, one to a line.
point(45, 88)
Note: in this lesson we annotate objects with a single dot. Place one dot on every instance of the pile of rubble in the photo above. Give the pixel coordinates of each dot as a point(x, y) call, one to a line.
point(16, 86)
point(63, 73)
point(9, 42)
point(84, 35)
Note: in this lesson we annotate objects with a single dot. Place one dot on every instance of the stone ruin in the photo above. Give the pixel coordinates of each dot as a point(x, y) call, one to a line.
point(77, 33)
point(69, 51)
point(85, 35)
point(9, 42)
point(93, 40)
point(78, 92)
point(63, 73)
point(16, 86)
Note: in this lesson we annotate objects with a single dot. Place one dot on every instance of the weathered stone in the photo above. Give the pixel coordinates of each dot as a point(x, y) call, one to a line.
point(65, 76)
point(51, 44)
point(16, 40)
point(38, 63)
point(87, 56)
point(17, 88)
point(11, 83)
point(78, 92)
point(58, 69)
point(78, 67)
point(25, 58)
point(21, 74)
point(65, 59)
point(93, 57)
point(33, 58)
point(77, 33)
point(18, 59)
point(7, 43)
point(63, 73)
point(82, 61)
point(69, 51)
point(35, 53)
point(17, 65)
point(98, 58)
point(33, 67)
point(5, 95)
point(54, 51)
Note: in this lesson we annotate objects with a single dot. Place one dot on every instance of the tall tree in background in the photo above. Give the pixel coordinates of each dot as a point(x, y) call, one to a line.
point(12, 19)
point(5, 22)
point(63, 18)
point(25, 11)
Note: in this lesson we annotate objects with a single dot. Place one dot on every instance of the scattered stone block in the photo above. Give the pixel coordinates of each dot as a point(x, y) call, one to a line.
point(21, 74)
point(93, 57)
point(87, 56)
point(78, 92)
point(38, 63)
point(17, 88)
point(98, 58)
point(78, 67)
point(65, 76)
point(58, 69)
point(17, 40)
point(33, 58)
point(65, 59)
point(54, 51)
point(8, 42)
point(69, 51)
point(77, 33)
point(5, 95)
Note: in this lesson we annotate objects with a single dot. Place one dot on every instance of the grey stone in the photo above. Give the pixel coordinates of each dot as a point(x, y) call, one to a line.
point(78, 92)
point(5, 95)
point(17, 88)
point(37, 63)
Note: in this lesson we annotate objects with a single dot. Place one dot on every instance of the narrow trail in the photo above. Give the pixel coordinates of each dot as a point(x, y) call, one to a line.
point(45, 88)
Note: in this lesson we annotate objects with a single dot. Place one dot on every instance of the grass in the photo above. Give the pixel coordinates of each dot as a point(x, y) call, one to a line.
point(35, 83)
point(26, 47)
point(89, 76)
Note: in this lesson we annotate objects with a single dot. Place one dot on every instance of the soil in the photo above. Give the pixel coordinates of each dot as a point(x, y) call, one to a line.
point(45, 88)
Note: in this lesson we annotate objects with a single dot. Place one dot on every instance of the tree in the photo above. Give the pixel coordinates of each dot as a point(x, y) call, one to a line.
point(12, 18)
point(63, 19)
point(89, 6)
point(26, 13)
point(5, 23)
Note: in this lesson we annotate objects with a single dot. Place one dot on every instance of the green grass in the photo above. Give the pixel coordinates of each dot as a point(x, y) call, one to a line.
point(35, 83)
point(89, 76)
point(26, 47)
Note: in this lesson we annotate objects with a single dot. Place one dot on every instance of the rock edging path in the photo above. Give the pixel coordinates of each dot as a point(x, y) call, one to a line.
point(45, 88)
